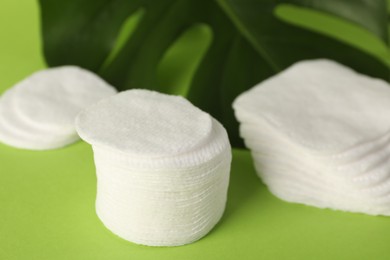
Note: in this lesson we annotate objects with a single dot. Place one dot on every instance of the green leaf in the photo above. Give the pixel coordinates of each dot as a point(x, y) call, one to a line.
point(249, 43)
point(371, 15)
point(281, 44)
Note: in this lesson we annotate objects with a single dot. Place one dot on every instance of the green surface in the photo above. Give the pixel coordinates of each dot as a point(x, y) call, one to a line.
point(47, 198)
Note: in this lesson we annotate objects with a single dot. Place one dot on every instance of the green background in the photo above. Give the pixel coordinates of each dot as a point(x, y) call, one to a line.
point(47, 198)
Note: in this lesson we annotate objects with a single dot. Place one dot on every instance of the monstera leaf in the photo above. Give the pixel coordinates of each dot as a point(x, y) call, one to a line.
point(249, 43)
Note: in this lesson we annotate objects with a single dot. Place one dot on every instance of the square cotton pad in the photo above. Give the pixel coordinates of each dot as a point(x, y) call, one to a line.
point(38, 113)
point(162, 167)
point(319, 134)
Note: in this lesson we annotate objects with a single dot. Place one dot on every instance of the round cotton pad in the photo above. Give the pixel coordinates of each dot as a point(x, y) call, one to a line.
point(52, 98)
point(162, 167)
point(145, 123)
point(212, 149)
point(16, 132)
point(38, 113)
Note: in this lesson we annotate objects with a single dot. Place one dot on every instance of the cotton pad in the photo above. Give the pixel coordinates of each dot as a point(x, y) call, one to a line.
point(162, 167)
point(319, 135)
point(15, 132)
point(38, 113)
point(368, 173)
point(355, 168)
point(311, 108)
point(183, 128)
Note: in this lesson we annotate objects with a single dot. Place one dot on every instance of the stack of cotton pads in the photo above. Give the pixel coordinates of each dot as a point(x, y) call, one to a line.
point(38, 113)
point(319, 134)
point(162, 167)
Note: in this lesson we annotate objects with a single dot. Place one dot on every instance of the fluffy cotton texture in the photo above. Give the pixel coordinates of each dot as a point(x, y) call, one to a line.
point(321, 105)
point(319, 136)
point(15, 132)
point(162, 167)
point(151, 129)
point(38, 113)
point(276, 154)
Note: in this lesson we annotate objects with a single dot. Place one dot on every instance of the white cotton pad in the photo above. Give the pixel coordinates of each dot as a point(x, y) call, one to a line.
point(215, 145)
point(370, 162)
point(378, 174)
point(361, 164)
point(318, 134)
point(162, 167)
point(297, 193)
point(161, 210)
point(263, 149)
point(145, 123)
point(346, 156)
point(321, 105)
point(52, 98)
point(334, 191)
point(304, 174)
point(18, 133)
point(38, 113)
